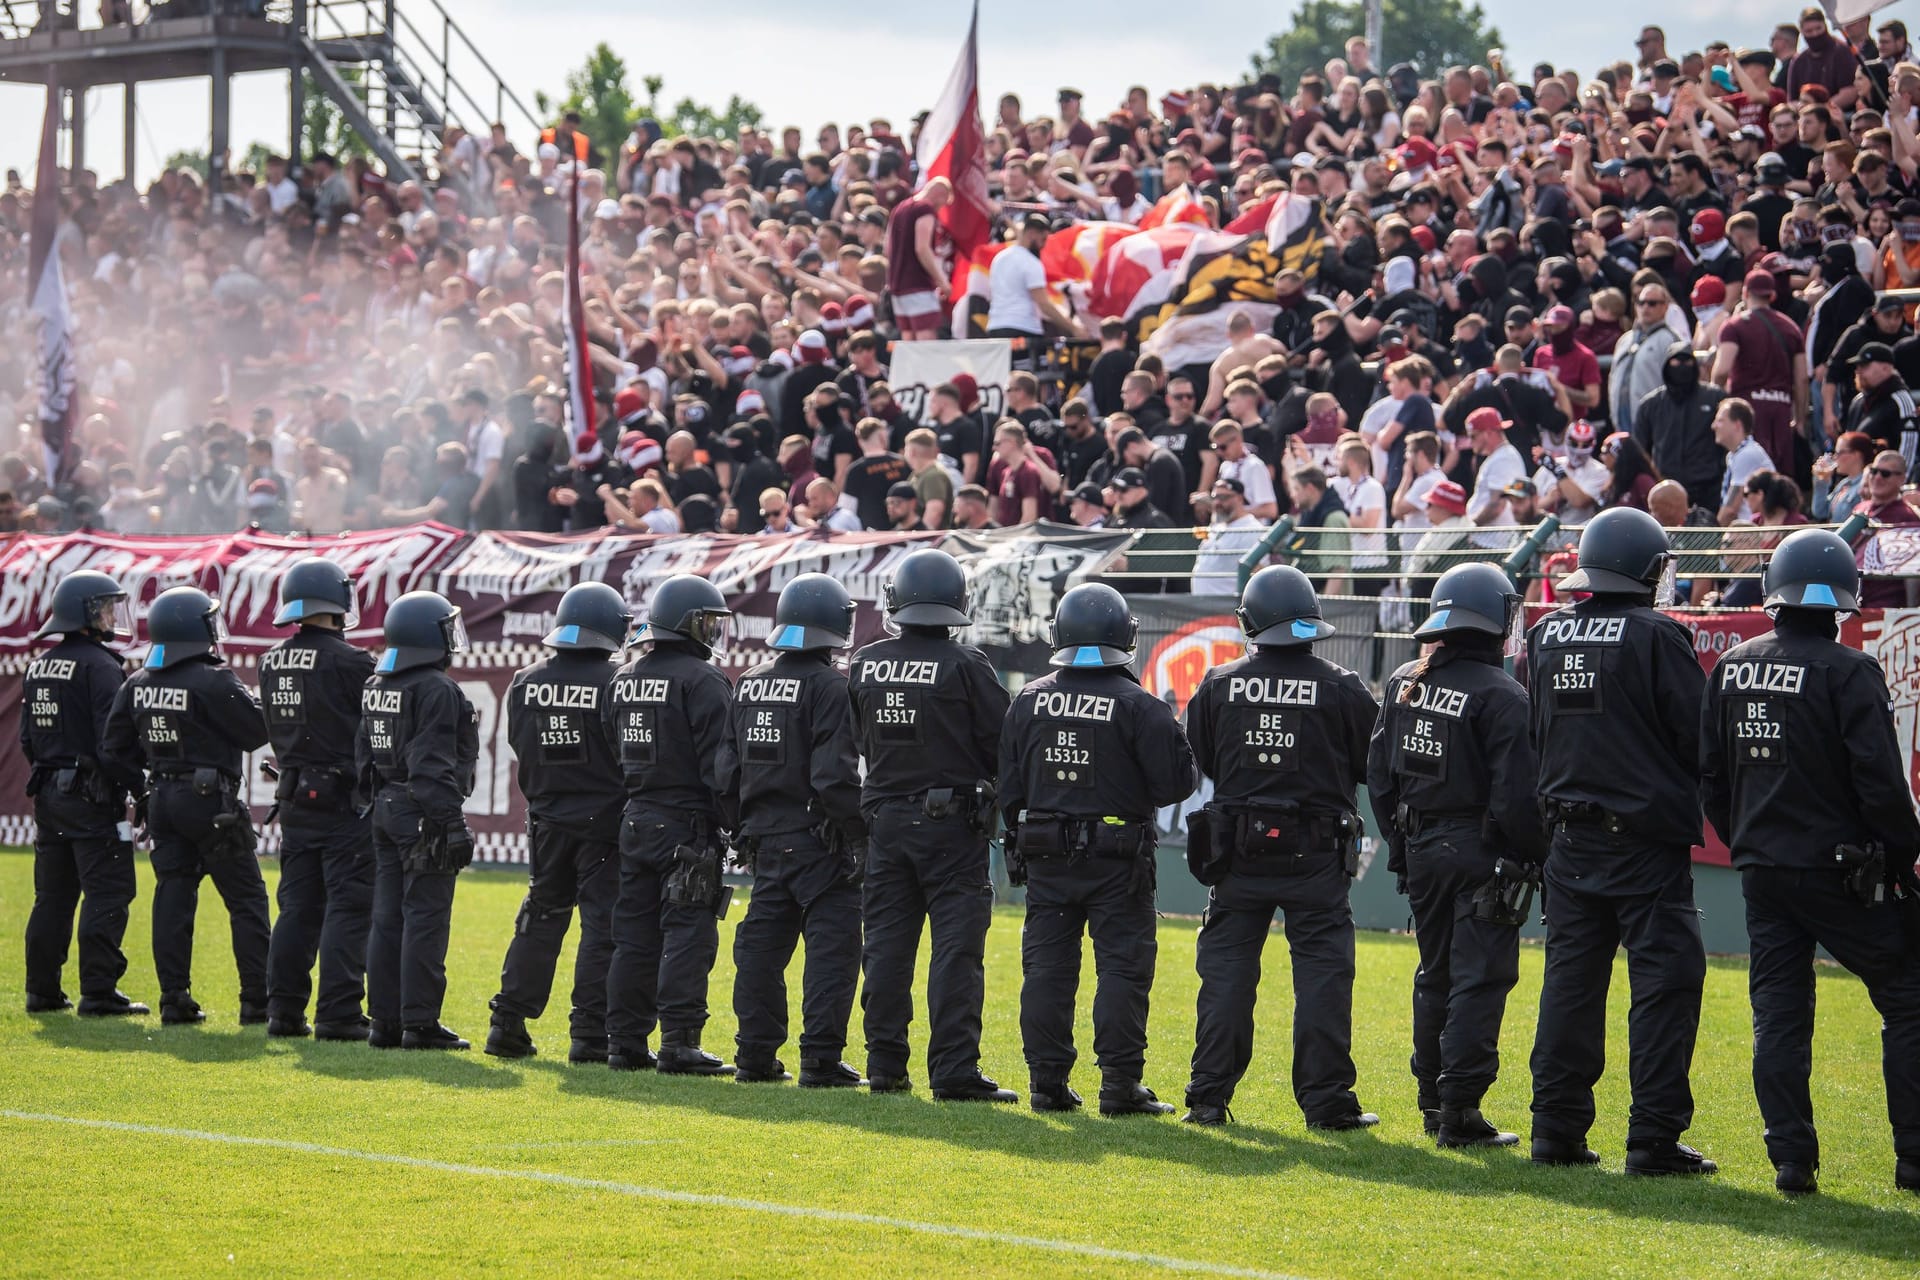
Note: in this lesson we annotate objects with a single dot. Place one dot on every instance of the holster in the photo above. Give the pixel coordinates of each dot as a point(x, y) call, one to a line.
point(845, 846)
point(1508, 896)
point(234, 835)
point(1581, 813)
point(1039, 836)
point(746, 849)
point(1209, 855)
point(314, 789)
point(1863, 869)
point(695, 878)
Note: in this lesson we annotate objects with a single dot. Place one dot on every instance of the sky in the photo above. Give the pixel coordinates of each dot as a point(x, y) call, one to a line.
point(854, 59)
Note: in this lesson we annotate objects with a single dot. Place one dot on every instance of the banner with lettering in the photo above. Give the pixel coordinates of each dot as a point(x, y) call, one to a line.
point(508, 586)
point(916, 368)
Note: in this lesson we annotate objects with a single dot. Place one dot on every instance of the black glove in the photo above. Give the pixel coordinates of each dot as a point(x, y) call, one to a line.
point(459, 845)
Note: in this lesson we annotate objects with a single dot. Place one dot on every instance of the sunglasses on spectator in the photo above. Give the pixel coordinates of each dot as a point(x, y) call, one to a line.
point(1651, 302)
point(1885, 474)
point(1179, 395)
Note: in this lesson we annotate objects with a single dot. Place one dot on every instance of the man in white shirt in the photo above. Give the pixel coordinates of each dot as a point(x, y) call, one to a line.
point(282, 192)
point(1574, 485)
point(486, 446)
point(1500, 465)
point(1366, 504)
point(1239, 463)
point(1234, 532)
point(1409, 506)
point(1017, 301)
point(1733, 431)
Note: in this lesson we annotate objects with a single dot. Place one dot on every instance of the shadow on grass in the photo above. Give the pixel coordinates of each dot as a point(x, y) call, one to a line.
point(215, 1045)
point(1249, 1150)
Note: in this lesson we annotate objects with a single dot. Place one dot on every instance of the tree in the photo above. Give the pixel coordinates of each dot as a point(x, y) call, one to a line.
point(322, 125)
point(195, 160)
point(691, 117)
point(1434, 34)
point(599, 91)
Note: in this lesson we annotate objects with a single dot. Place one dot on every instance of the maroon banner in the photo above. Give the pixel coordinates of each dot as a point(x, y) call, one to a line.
point(508, 586)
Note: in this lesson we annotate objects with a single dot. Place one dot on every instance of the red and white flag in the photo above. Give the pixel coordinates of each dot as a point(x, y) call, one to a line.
point(47, 295)
point(1178, 205)
point(953, 146)
point(1138, 272)
point(579, 361)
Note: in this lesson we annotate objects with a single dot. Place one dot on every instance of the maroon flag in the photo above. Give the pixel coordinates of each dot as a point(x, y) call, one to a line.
point(953, 146)
point(579, 362)
point(47, 295)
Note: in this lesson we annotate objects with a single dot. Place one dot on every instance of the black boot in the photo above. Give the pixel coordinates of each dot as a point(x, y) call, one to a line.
point(765, 1071)
point(638, 1059)
point(828, 1073)
point(687, 1058)
point(1122, 1097)
point(584, 1050)
point(1052, 1095)
point(289, 1028)
point(178, 1008)
point(1666, 1160)
point(1466, 1127)
point(1430, 1114)
point(1345, 1121)
point(508, 1038)
point(1906, 1174)
point(253, 1011)
point(55, 1003)
point(1558, 1151)
point(1792, 1179)
point(111, 1005)
point(431, 1035)
point(354, 1028)
point(382, 1034)
point(974, 1088)
point(1207, 1113)
point(887, 1082)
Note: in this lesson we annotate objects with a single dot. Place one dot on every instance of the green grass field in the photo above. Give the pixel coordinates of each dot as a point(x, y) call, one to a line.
point(389, 1163)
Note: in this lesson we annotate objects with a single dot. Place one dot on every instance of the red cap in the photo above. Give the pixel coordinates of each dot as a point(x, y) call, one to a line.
point(969, 391)
point(1709, 227)
point(1416, 153)
point(1486, 418)
point(1424, 237)
point(1559, 313)
point(1710, 291)
point(1449, 496)
point(627, 402)
point(1761, 282)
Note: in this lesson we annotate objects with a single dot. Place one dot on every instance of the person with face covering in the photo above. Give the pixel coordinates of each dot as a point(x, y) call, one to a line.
point(1334, 366)
point(1847, 298)
point(1674, 424)
point(1485, 291)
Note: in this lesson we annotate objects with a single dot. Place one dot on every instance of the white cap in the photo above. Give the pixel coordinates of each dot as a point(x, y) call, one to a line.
point(607, 209)
point(548, 151)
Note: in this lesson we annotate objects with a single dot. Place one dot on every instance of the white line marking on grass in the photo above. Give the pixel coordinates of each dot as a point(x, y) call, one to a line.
point(1071, 1247)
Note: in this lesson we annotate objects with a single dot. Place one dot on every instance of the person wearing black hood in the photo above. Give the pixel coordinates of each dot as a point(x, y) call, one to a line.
point(1846, 300)
point(1485, 291)
point(1293, 322)
point(1886, 322)
point(753, 473)
point(1884, 409)
point(1560, 282)
point(1334, 366)
point(1674, 424)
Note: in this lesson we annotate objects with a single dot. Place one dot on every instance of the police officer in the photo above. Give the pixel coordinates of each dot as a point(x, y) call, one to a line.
point(80, 843)
point(1282, 734)
point(792, 758)
point(1824, 841)
point(928, 712)
point(310, 684)
point(1616, 724)
point(1451, 776)
point(568, 774)
point(415, 752)
point(668, 718)
point(1086, 757)
point(177, 731)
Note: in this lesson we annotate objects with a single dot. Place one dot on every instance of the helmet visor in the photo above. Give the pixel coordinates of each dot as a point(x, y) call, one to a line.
point(708, 627)
point(1667, 592)
point(455, 629)
point(111, 616)
point(1514, 643)
point(217, 623)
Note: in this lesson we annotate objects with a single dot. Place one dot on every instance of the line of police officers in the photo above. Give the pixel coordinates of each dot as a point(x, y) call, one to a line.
point(1579, 784)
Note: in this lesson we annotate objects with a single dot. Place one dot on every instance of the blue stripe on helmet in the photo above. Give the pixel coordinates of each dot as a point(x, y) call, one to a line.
point(1087, 655)
point(1304, 629)
point(1437, 619)
point(1819, 593)
point(790, 637)
point(156, 657)
point(295, 609)
point(567, 635)
point(388, 661)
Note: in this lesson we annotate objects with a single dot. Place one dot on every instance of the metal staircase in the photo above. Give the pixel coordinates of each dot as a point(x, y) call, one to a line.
point(399, 85)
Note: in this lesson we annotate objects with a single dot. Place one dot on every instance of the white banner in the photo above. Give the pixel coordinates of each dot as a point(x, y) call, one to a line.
point(918, 367)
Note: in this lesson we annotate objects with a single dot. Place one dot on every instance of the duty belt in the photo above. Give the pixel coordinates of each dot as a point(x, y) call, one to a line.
point(1581, 813)
point(1413, 822)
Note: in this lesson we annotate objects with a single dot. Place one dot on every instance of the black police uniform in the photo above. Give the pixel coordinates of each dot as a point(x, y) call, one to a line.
point(556, 725)
point(1090, 751)
point(1283, 735)
point(1450, 774)
point(668, 719)
point(928, 711)
point(187, 726)
point(1798, 762)
point(1616, 724)
point(80, 844)
point(310, 685)
point(416, 752)
point(791, 757)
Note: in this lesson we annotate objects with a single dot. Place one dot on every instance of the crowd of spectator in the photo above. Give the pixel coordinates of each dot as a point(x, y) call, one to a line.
point(1657, 283)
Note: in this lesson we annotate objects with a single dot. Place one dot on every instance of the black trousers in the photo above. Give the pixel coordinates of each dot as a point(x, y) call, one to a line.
point(799, 890)
point(1788, 913)
point(663, 952)
point(1467, 967)
point(412, 921)
point(922, 869)
point(1112, 899)
point(1667, 967)
point(78, 852)
point(326, 909)
point(186, 851)
point(1319, 932)
point(567, 870)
